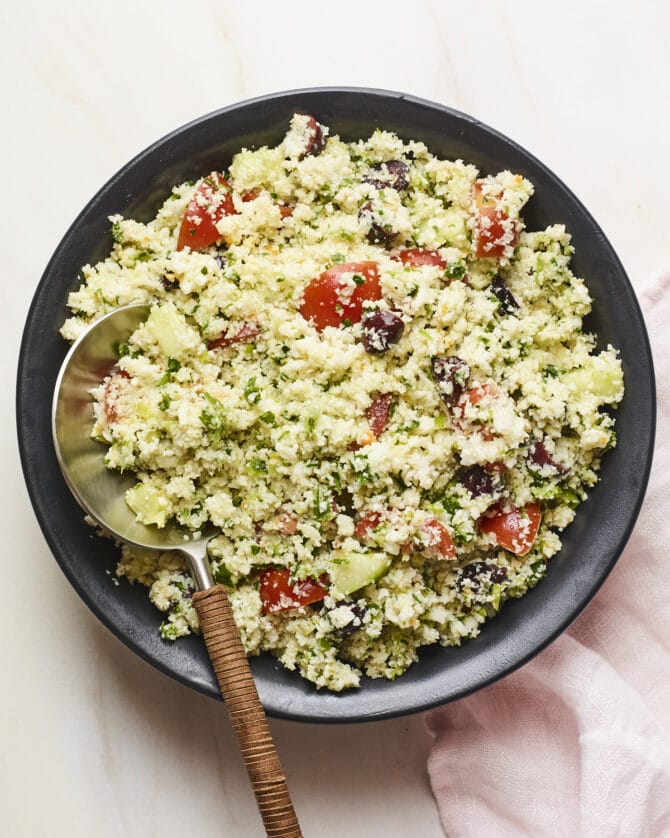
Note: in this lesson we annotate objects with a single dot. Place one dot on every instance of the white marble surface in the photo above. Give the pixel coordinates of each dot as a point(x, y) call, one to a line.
point(95, 742)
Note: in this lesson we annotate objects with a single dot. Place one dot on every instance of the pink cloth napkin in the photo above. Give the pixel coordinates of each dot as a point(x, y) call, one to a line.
point(577, 742)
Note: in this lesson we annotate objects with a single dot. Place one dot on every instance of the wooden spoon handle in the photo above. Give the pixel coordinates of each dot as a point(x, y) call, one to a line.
point(239, 692)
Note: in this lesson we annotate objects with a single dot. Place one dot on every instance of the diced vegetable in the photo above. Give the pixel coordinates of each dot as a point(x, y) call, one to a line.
point(381, 329)
point(315, 139)
point(365, 526)
point(514, 529)
point(379, 229)
point(278, 593)
point(329, 300)
point(539, 456)
point(451, 374)
point(391, 174)
point(435, 540)
point(171, 332)
point(486, 393)
point(378, 412)
point(501, 292)
point(211, 201)
point(416, 257)
point(494, 230)
point(148, 503)
point(351, 571)
point(480, 480)
point(600, 375)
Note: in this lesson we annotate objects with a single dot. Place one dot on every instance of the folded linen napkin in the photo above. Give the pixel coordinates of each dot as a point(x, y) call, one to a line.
point(577, 742)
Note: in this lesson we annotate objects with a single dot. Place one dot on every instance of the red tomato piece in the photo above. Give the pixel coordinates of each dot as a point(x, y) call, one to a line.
point(415, 257)
point(494, 231)
point(436, 540)
point(328, 300)
point(514, 530)
point(211, 201)
point(279, 594)
point(245, 334)
point(110, 399)
point(285, 210)
point(364, 528)
point(378, 412)
point(474, 396)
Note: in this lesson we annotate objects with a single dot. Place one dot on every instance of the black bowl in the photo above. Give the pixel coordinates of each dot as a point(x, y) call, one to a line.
point(591, 545)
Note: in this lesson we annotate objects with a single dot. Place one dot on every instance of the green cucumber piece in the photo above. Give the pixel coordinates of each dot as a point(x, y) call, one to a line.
point(601, 376)
point(148, 503)
point(350, 571)
point(169, 329)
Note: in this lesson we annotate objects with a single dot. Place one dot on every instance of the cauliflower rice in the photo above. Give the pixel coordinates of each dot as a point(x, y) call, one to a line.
point(373, 381)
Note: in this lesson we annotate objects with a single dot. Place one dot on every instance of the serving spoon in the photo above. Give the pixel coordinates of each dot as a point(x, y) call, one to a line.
point(101, 493)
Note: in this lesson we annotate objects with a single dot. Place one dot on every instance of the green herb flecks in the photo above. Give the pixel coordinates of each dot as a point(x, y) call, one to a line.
point(213, 417)
point(252, 392)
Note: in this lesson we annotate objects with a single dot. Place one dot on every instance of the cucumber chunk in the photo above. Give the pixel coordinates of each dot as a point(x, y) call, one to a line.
point(169, 329)
point(351, 571)
point(148, 504)
point(600, 376)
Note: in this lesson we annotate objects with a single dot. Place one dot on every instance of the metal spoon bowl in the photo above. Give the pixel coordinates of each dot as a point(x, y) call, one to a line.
point(101, 493)
point(98, 489)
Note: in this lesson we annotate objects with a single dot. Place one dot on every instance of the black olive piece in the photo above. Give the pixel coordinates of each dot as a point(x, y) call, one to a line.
point(476, 572)
point(356, 624)
point(541, 457)
point(381, 329)
point(478, 481)
point(316, 141)
point(451, 374)
point(504, 296)
point(378, 233)
point(393, 174)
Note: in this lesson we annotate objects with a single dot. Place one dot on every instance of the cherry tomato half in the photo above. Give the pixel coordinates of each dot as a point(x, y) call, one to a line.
point(211, 201)
point(514, 530)
point(328, 300)
point(415, 257)
point(279, 594)
point(493, 229)
point(436, 540)
point(471, 397)
point(378, 412)
point(365, 526)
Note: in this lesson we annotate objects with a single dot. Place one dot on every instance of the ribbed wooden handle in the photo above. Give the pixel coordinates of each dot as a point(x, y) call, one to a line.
point(246, 712)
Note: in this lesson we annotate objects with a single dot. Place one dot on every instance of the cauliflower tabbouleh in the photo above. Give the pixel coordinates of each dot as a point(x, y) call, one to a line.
point(362, 369)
